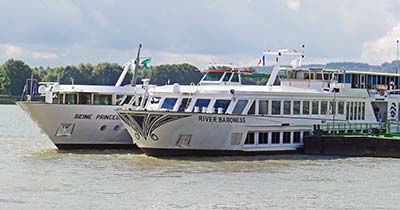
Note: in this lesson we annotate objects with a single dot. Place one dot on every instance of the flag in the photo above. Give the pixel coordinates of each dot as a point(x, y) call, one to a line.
point(261, 61)
point(146, 63)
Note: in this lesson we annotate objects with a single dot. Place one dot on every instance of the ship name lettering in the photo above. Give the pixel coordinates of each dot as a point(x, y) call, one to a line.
point(107, 117)
point(222, 119)
point(83, 116)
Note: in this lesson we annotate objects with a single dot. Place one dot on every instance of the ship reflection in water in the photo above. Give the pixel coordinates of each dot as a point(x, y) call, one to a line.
point(34, 175)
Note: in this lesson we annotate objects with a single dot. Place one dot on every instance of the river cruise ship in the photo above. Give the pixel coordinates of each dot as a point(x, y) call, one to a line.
point(221, 117)
point(83, 116)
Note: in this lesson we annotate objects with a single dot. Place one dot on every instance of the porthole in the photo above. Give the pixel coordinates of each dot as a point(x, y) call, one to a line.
point(102, 128)
point(117, 127)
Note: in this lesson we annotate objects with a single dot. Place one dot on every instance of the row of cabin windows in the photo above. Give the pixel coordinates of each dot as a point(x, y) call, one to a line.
point(89, 98)
point(216, 76)
point(356, 80)
point(265, 107)
point(275, 137)
point(355, 110)
point(296, 107)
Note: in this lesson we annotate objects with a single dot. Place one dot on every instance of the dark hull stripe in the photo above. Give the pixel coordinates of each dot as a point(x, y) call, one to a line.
point(191, 152)
point(97, 146)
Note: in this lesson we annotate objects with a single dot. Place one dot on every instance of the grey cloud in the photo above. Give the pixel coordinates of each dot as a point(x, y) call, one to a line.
point(330, 29)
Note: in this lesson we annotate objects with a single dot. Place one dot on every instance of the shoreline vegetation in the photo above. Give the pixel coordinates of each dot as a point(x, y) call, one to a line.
point(13, 74)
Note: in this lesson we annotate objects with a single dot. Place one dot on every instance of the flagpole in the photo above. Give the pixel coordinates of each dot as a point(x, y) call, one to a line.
point(133, 82)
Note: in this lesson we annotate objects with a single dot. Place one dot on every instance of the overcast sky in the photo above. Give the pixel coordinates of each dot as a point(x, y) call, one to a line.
point(66, 32)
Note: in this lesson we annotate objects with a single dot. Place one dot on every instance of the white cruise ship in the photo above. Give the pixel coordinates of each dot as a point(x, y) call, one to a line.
point(230, 119)
point(83, 116)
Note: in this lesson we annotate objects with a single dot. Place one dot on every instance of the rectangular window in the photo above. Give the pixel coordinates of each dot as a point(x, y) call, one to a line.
point(263, 107)
point(169, 103)
point(235, 78)
point(286, 137)
point(286, 107)
point(347, 110)
point(296, 137)
point(184, 105)
point(102, 99)
point(341, 107)
point(306, 107)
point(315, 107)
point(71, 98)
point(221, 104)
point(227, 76)
point(252, 109)
point(250, 138)
point(85, 98)
point(324, 107)
point(276, 107)
point(275, 137)
point(263, 138)
point(239, 107)
point(202, 103)
point(296, 107)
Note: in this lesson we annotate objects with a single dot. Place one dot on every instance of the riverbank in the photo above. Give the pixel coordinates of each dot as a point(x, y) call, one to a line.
point(5, 99)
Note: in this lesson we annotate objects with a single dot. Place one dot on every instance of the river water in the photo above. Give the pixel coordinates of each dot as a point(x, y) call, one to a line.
point(35, 175)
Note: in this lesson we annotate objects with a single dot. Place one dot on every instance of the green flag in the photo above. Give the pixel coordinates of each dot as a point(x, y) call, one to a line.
point(146, 63)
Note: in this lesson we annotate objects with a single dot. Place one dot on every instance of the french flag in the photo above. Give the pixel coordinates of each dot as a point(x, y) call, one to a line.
point(261, 61)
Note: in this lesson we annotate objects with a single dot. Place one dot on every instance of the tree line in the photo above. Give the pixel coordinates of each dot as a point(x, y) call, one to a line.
point(13, 75)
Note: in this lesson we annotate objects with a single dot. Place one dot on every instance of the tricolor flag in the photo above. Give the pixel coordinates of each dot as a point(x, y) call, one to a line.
point(261, 61)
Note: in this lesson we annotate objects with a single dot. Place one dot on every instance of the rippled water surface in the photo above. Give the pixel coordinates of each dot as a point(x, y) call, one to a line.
point(35, 175)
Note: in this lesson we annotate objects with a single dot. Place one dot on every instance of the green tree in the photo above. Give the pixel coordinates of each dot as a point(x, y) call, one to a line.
point(175, 73)
point(13, 76)
point(106, 73)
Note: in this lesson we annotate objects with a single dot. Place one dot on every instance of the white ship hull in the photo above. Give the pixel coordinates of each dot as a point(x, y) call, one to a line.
point(79, 126)
point(173, 133)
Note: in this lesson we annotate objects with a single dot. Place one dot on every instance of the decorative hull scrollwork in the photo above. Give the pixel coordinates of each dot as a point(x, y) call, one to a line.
point(144, 124)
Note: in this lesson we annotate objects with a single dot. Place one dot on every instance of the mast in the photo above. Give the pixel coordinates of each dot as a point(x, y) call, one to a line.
point(134, 77)
point(278, 54)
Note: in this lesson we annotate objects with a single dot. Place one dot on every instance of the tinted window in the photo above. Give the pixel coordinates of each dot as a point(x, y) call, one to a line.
point(286, 137)
point(227, 76)
point(263, 138)
point(276, 107)
point(202, 103)
point(85, 98)
point(252, 109)
point(235, 78)
point(275, 138)
point(70, 98)
point(306, 107)
point(168, 103)
point(286, 107)
point(315, 107)
point(249, 138)
point(213, 76)
point(239, 107)
point(324, 107)
point(102, 99)
point(341, 107)
point(263, 107)
point(184, 105)
point(221, 104)
point(296, 107)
